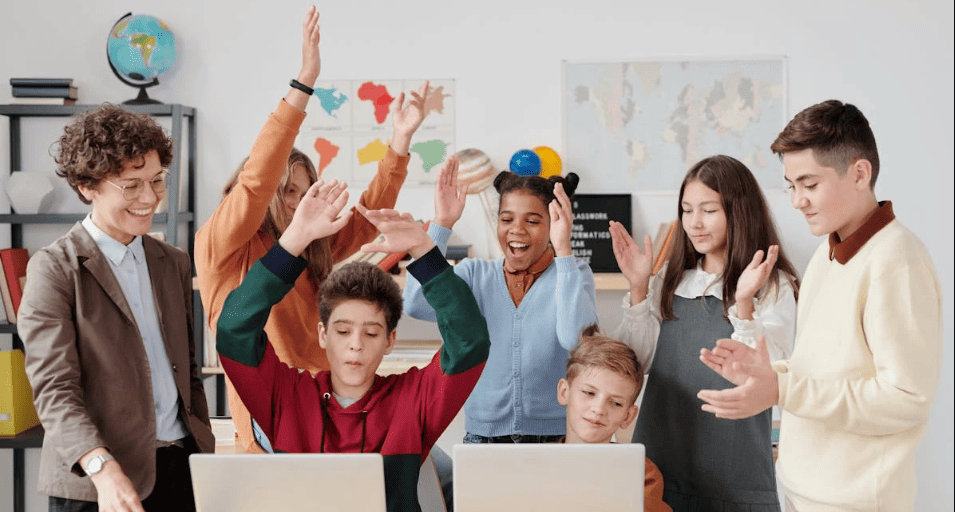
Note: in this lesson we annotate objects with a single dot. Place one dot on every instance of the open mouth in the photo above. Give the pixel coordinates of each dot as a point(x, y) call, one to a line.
point(518, 248)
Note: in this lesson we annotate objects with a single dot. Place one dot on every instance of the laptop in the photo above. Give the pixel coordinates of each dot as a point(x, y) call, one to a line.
point(256, 482)
point(551, 477)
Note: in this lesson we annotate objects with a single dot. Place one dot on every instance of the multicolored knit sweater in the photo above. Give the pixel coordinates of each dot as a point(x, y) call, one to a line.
point(401, 416)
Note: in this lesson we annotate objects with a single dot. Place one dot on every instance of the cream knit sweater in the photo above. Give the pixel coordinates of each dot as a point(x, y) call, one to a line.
point(857, 392)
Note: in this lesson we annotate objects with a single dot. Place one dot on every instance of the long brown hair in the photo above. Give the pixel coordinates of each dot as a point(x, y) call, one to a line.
point(318, 254)
point(749, 228)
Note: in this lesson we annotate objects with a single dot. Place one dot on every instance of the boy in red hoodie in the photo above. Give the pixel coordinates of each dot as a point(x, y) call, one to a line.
point(350, 409)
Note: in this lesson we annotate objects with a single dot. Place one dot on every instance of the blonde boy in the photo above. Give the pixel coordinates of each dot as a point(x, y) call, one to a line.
point(603, 381)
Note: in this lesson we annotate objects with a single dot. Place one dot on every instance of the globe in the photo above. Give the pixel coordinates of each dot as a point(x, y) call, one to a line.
point(140, 47)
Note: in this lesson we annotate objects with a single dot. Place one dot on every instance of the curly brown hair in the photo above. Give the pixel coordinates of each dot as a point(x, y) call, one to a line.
point(836, 132)
point(362, 281)
point(99, 142)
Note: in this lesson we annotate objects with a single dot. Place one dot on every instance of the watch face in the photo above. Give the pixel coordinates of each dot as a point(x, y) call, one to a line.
point(95, 465)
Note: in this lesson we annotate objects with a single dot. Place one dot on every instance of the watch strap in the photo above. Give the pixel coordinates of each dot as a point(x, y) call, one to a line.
point(300, 86)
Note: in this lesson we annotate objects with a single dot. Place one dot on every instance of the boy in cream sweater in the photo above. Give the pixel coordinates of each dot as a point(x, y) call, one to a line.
point(857, 392)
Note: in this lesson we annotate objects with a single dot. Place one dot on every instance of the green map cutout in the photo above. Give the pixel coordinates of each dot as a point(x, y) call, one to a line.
point(431, 152)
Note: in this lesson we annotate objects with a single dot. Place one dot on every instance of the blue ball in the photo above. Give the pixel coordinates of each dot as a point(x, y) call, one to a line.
point(526, 163)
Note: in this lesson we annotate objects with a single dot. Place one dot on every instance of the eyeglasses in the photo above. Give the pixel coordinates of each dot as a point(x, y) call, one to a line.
point(134, 187)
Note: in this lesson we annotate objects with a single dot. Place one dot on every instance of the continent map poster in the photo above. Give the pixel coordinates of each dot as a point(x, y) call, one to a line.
point(348, 128)
point(639, 126)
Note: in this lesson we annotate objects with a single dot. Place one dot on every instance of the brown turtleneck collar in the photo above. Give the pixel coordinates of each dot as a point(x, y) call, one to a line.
point(843, 250)
point(519, 281)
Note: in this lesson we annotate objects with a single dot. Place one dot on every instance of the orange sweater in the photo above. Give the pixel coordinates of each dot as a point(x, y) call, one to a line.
point(653, 489)
point(230, 242)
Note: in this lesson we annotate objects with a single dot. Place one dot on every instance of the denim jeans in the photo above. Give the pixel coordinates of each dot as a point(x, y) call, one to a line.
point(470, 438)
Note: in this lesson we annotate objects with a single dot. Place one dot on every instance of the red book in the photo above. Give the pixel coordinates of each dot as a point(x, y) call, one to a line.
point(15, 270)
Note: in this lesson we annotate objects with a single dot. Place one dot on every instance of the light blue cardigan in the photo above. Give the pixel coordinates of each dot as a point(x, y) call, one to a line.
point(517, 393)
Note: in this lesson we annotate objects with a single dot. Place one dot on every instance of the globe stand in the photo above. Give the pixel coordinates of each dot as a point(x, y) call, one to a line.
point(143, 98)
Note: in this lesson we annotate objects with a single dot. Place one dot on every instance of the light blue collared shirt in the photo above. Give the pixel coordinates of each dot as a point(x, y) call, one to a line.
point(128, 263)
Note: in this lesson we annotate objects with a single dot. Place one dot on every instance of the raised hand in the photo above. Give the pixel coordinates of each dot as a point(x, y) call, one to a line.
point(561, 221)
point(311, 57)
point(449, 196)
point(311, 60)
point(407, 118)
point(756, 386)
point(753, 279)
point(635, 264)
point(402, 233)
point(316, 216)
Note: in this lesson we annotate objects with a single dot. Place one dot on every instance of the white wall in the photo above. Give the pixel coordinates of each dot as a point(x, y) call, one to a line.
point(894, 60)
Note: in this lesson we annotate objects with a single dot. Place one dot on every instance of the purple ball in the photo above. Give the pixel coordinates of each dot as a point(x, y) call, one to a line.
point(526, 163)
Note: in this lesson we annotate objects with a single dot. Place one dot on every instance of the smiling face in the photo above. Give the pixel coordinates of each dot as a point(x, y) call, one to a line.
point(355, 340)
point(599, 401)
point(523, 229)
point(704, 221)
point(119, 218)
point(830, 202)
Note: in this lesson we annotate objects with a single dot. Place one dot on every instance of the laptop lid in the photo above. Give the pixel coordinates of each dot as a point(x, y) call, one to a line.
point(551, 477)
point(293, 481)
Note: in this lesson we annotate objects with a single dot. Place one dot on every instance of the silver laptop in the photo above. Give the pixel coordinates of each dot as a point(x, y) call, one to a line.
point(551, 477)
point(302, 482)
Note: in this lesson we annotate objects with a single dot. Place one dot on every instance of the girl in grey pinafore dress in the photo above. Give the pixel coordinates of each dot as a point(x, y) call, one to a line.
point(708, 464)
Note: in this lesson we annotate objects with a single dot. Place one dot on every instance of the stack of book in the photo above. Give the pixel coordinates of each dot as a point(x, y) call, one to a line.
point(44, 91)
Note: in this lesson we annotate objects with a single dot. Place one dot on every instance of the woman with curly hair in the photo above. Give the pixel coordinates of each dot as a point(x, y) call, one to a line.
point(106, 321)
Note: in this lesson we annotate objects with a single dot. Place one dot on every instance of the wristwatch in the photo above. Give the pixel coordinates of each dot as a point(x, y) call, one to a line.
point(95, 465)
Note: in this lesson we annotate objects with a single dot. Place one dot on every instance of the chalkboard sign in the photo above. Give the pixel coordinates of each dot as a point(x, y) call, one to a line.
point(590, 236)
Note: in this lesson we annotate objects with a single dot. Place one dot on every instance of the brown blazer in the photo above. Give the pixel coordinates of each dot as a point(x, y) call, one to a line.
point(88, 367)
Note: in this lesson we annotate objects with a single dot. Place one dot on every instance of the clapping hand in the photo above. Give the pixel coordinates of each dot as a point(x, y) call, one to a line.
point(756, 386)
point(561, 221)
point(753, 279)
point(316, 216)
point(402, 233)
point(635, 264)
point(449, 196)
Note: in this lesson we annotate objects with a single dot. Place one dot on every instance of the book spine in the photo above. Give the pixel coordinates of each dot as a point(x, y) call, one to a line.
point(45, 92)
point(41, 82)
point(14, 263)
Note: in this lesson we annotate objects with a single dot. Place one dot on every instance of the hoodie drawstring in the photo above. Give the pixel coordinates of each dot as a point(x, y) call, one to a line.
point(364, 418)
point(326, 420)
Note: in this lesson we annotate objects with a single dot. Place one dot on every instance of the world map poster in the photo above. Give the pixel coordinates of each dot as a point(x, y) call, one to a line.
point(639, 126)
point(349, 126)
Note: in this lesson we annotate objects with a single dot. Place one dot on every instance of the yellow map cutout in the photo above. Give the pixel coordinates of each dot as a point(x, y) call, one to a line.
point(374, 151)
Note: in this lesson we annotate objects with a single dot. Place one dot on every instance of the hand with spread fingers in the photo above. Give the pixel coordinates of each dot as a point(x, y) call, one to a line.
point(635, 264)
point(752, 280)
point(756, 386)
point(561, 221)
point(449, 196)
point(406, 118)
point(316, 216)
point(402, 233)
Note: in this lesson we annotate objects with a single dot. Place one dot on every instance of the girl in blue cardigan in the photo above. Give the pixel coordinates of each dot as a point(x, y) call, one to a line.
point(536, 299)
